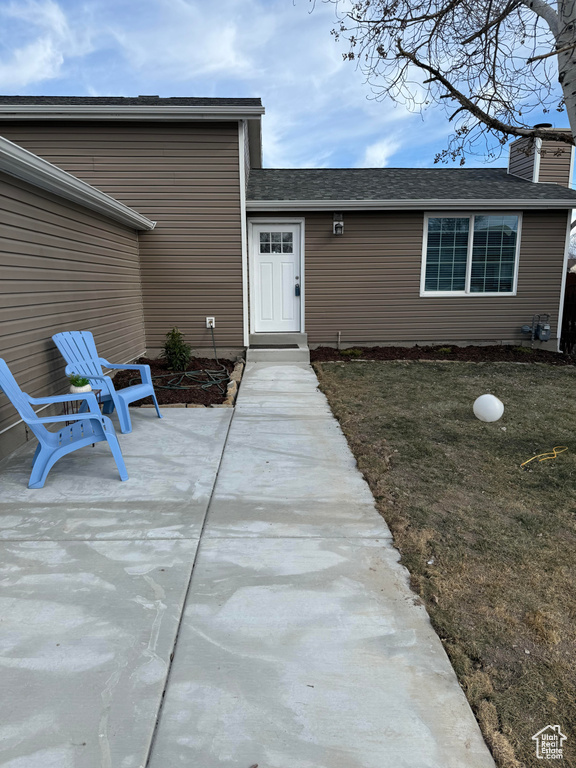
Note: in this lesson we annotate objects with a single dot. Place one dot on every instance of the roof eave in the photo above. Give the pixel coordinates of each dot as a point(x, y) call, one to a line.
point(21, 164)
point(132, 112)
point(397, 205)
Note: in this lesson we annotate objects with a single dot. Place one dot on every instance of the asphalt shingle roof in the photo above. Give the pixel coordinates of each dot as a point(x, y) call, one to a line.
point(325, 184)
point(121, 101)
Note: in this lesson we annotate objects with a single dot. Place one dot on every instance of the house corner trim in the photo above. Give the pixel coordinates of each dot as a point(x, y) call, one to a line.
point(242, 128)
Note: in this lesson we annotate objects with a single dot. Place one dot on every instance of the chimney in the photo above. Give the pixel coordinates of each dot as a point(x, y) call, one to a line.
point(541, 160)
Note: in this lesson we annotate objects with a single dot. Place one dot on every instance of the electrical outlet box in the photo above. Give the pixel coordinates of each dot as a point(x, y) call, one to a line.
point(210, 322)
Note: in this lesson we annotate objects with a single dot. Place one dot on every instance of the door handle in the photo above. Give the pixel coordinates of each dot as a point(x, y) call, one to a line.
point(297, 289)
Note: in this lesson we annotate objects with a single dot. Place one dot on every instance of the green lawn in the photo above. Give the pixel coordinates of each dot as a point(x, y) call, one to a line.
point(491, 547)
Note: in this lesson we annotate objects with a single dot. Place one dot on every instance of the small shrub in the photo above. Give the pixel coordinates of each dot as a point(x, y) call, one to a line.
point(352, 352)
point(444, 350)
point(176, 352)
point(78, 381)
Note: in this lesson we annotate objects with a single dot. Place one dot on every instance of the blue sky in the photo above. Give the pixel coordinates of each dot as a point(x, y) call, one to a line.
point(318, 110)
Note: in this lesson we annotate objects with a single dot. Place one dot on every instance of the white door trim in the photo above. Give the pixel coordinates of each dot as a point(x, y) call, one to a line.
point(251, 250)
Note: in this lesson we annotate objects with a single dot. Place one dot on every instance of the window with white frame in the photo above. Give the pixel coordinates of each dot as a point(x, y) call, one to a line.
point(470, 254)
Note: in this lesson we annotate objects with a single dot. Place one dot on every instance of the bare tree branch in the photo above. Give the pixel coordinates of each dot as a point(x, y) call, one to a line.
point(487, 27)
point(552, 53)
point(480, 114)
point(505, 63)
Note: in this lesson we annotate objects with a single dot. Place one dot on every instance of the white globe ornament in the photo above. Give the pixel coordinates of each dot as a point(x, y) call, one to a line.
point(488, 408)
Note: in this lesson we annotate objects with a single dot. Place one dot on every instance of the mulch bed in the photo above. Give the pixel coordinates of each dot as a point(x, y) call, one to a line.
point(210, 396)
point(471, 354)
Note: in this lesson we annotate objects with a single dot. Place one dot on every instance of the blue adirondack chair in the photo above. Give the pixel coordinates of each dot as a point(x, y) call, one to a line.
point(79, 351)
point(88, 427)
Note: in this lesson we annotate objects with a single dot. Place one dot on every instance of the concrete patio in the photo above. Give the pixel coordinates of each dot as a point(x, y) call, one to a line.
point(237, 602)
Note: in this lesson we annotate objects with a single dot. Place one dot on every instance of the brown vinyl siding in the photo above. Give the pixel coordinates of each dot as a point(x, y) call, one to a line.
point(63, 267)
point(366, 283)
point(521, 161)
point(186, 177)
point(555, 162)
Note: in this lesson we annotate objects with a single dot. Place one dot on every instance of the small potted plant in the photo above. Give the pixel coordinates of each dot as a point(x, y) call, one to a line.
point(79, 384)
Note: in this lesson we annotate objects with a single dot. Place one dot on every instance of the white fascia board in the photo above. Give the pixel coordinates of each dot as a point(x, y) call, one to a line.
point(537, 158)
point(398, 205)
point(18, 162)
point(134, 112)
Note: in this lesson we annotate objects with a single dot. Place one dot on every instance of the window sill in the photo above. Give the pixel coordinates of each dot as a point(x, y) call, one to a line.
point(459, 294)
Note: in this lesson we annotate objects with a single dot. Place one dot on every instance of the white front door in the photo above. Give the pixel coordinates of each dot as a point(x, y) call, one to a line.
point(276, 278)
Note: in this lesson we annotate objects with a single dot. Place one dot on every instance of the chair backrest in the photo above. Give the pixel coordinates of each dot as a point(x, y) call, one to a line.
point(9, 386)
point(79, 351)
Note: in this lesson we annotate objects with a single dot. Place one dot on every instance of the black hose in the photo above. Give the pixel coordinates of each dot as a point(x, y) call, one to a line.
point(201, 378)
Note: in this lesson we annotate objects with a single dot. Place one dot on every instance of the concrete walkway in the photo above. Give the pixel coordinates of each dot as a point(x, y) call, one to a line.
point(170, 622)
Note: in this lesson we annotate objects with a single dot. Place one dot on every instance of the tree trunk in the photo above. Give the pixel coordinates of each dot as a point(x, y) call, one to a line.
point(567, 60)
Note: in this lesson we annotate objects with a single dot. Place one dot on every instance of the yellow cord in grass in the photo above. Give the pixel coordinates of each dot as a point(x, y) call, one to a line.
point(548, 455)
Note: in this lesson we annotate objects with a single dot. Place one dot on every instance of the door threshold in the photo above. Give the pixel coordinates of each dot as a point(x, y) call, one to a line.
point(273, 346)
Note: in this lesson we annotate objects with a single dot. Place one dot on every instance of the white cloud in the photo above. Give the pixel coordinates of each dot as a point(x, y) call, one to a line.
point(378, 154)
point(42, 13)
point(40, 39)
point(32, 63)
point(188, 40)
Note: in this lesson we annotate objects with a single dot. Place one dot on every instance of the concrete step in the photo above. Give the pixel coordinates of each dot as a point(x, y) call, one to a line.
point(271, 355)
point(278, 338)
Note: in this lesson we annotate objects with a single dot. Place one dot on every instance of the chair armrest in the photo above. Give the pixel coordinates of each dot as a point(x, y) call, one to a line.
point(71, 369)
point(143, 369)
point(88, 415)
point(89, 397)
point(126, 367)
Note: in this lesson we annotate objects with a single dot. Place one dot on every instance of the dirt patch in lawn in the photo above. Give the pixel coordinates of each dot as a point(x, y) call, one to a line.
point(491, 547)
point(492, 353)
point(203, 391)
